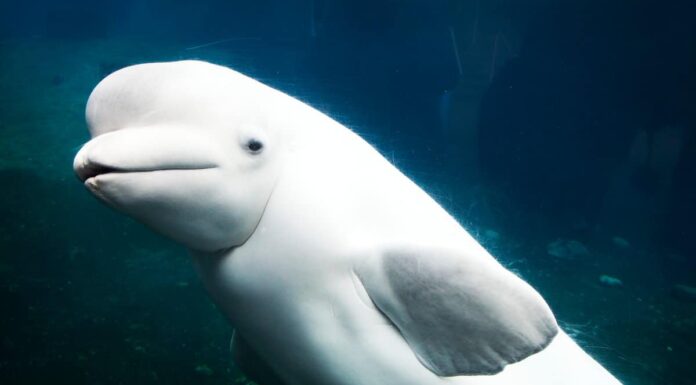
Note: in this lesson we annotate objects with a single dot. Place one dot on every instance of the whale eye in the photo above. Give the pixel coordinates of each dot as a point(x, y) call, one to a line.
point(254, 146)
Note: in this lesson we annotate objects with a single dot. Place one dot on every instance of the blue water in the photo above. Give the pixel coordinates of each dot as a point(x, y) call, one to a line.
point(531, 122)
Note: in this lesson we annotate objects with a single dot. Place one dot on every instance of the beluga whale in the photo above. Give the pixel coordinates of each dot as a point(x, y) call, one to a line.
point(331, 265)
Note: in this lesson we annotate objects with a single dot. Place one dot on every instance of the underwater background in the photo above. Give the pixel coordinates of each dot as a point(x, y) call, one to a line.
point(562, 135)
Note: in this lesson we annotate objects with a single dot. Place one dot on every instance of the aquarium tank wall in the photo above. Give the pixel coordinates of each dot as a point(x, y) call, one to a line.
point(561, 135)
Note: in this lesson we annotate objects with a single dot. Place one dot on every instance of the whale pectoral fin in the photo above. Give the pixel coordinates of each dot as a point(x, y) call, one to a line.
point(251, 364)
point(462, 313)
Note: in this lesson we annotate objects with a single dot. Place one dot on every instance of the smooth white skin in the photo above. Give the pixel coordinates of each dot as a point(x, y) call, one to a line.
point(276, 237)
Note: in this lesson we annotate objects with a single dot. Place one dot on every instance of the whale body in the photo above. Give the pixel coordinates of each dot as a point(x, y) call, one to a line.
point(332, 266)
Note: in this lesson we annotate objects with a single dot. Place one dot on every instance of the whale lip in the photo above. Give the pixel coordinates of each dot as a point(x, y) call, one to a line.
point(89, 170)
point(146, 149)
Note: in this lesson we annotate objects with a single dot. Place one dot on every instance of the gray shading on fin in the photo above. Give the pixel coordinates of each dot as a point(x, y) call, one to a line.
point(461, 314)
point(250, 363)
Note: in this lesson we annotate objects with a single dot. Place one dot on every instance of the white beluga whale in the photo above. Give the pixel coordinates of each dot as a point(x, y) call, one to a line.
point(332, 266)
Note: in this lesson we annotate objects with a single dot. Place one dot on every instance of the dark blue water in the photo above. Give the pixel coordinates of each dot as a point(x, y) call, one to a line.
point(538, 125)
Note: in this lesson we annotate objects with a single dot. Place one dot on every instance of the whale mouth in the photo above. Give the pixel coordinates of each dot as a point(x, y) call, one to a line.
point(144, 150)
point(91, 170)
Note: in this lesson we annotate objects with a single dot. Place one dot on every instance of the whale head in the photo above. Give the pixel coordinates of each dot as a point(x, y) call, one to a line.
point(184, 147)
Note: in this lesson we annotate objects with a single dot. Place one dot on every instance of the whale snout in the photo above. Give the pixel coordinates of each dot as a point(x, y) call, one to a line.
point(143, 150)
point(85, 170)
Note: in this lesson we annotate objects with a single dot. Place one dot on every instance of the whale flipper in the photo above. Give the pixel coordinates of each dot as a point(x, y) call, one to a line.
point(250, 363)
point(462, 314)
